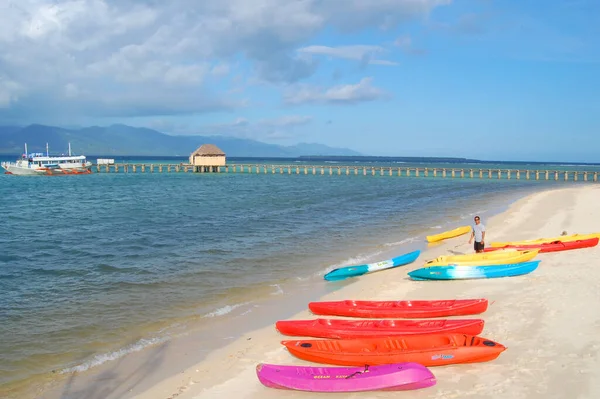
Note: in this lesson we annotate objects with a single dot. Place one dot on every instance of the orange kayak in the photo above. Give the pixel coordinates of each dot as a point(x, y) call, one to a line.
point(428, 350)
point(400, 309)
point(357, 328)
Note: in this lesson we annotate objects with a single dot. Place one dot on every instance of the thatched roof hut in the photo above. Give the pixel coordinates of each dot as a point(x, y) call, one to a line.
point(209, 150)
point(208, 155)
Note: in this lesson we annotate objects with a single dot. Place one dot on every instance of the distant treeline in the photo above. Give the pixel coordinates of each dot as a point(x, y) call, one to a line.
point(323, 158)
point(385, 159)
point(331, 158)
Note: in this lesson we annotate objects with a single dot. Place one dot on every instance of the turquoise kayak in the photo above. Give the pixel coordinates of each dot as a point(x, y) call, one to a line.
point(473, 272)
point(353, 271)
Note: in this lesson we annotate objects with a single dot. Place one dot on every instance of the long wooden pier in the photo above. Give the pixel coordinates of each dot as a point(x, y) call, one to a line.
point(355, 170)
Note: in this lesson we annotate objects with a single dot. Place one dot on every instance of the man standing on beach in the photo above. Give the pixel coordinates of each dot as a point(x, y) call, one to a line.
point(478, 232)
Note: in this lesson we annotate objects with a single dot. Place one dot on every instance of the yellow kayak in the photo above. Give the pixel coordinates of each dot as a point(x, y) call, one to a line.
point(459, 231)
point(572, 237)
point(484, 258)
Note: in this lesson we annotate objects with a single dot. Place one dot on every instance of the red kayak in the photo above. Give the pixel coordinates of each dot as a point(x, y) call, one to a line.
point(348, 329)
point(554, 246)
point(400, 309)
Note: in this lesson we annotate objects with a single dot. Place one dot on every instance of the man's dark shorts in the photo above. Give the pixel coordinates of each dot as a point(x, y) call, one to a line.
point(478, 246)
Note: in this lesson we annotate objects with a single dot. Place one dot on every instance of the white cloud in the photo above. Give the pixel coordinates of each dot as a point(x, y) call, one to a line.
point(9, 92)
point(286, 121)
point(362, 53)
point(341, 94)
point(279, 128)
point(405, 43)
point(220, 70)
point(134, 57)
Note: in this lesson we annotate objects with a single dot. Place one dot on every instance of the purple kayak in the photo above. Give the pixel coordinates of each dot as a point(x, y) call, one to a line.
point(386, 377)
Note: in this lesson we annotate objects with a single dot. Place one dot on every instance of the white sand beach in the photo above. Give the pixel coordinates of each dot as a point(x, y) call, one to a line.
point(549, 319)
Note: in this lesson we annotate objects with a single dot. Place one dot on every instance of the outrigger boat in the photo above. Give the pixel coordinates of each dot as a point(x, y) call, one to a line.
point(37, 163)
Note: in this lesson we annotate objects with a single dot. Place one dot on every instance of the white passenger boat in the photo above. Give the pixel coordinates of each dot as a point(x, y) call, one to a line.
point(38, 163)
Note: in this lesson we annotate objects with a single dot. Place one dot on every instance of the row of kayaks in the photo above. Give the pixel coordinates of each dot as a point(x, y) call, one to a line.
point(382, 354)
point(511, 259)
point(390, 345)
point(508, 260)
point(479, 265)
point(462, 230)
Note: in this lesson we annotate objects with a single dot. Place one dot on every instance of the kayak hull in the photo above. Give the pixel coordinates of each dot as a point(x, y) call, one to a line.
point(400, 309)
point(555, 246)
point(428, 350)
point(459, 231)
point(473, 272)
point(484, 259)
point(343, 273)
point(388, 377)
point(572, 237)
point(349, 329)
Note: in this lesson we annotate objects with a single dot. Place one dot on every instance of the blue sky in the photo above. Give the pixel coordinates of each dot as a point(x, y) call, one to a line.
point(507, 80)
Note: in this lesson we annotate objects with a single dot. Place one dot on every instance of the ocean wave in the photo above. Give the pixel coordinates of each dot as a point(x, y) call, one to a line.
point(401, 242)
point(106, 268)
point(107, 357)
point(58, 272)
point(436, 227)
point(225, 310)
point(278, 289)
point(8, 258)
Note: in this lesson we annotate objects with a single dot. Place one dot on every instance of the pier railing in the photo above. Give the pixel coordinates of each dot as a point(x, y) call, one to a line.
point(480, 173)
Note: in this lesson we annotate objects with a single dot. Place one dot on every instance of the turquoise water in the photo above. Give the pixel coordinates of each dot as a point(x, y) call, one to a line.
point(89, 263)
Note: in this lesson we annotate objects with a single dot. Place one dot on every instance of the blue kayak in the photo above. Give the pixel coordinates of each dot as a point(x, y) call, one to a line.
point(472, 272)
point(353, 271)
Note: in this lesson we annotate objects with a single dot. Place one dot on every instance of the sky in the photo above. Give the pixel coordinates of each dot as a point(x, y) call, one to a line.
point(495, 80)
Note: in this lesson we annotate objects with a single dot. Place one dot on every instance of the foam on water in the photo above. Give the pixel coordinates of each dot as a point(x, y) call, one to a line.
point(278, 289)
point(225, 310)
point(357, 260)
point(402, 242)
point(107, 357)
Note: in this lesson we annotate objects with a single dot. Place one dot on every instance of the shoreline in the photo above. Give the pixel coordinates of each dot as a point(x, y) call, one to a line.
point(230, 370)
point(169, 358)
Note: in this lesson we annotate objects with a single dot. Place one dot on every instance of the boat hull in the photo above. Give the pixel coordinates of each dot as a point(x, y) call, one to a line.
point(20, 171)
point(350, 329)
point(400, 309)
point(355, 271)
point(389, 377)
point(473, 272)
point(428, 350)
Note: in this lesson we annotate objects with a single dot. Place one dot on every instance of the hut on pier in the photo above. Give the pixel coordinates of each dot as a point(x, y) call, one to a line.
point(207, 158)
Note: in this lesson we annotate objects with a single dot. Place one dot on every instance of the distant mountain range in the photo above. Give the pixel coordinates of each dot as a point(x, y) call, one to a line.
point(126, 140)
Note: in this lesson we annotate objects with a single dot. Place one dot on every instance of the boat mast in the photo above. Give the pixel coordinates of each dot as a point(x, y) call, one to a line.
point(69, 149)
point(26, 153)
point(47, 153)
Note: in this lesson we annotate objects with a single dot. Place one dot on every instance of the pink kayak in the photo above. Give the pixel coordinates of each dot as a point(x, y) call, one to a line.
point(386, 377)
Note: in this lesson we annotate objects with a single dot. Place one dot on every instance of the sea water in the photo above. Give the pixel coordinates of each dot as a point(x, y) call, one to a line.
point(93, 267)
